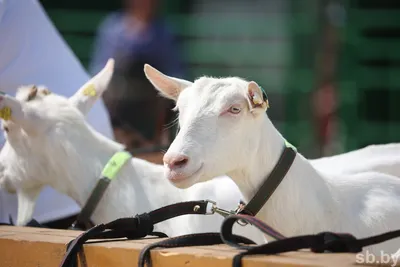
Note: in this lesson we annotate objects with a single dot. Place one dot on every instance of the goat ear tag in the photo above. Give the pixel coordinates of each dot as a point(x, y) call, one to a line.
point(257, 96)
point(258, 101)
point(265, 97)
point(5, 113)
point(89, 90)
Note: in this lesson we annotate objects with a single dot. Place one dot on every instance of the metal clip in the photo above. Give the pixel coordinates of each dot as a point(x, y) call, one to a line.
point(222, 212)
point(239, 209)
point(225, 213)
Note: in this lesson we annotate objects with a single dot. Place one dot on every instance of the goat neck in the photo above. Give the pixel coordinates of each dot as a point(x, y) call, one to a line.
point(88, 159)
point(302, 192)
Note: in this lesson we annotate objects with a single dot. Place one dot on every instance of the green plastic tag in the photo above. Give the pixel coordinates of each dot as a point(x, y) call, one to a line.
point(264, 94)
point(287, 144)
point(114, 165)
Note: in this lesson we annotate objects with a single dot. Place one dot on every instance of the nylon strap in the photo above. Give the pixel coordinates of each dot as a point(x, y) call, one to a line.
point(110, 171)
point(323, 242)
point(272, 181)
point(137, 227)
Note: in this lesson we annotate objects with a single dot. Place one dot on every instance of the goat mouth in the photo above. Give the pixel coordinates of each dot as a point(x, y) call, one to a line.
point(182, 176)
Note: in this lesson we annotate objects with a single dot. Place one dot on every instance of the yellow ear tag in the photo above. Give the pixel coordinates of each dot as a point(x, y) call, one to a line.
point(256, 100)
point(89, 90)
point(5, 113)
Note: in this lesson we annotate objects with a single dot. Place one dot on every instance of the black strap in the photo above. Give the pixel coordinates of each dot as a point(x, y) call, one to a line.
point(271, 182)
point(319, 243)
point(203, 239)
point(83, 220)
point(132, 227)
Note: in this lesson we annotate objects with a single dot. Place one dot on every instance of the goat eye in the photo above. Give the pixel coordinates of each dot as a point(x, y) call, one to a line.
point(235, 110)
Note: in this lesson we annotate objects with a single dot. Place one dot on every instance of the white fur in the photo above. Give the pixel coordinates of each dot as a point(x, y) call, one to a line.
point(314, 196)
point(50, 143)
point(379, 158)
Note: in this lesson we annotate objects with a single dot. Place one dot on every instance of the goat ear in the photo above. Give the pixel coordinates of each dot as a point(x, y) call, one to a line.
point(169, 87)
point(255, 98)
point(88, 94)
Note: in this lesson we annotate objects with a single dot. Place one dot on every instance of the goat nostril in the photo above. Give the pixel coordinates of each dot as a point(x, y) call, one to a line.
point(180, 162)
point(175, 161)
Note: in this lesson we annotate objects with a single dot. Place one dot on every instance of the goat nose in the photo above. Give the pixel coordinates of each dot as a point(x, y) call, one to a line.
point(175, 161)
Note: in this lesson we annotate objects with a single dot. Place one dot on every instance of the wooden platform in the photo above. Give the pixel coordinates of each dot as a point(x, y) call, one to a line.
point(25, 247)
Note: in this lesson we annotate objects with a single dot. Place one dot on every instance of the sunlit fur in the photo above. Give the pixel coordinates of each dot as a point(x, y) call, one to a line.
point(50, 143)
point(362, 199)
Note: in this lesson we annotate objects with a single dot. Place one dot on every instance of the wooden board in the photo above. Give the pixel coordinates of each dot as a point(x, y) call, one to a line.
point(25, 247)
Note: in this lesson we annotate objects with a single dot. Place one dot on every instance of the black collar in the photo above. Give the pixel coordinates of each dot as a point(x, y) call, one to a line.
point(271, 182)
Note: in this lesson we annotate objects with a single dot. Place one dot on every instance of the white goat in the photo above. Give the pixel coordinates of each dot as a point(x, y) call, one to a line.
point(224, 129)
point(382, 158)
point(50, 143)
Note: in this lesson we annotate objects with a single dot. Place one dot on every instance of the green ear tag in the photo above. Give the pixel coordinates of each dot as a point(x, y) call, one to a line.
point(264, 94)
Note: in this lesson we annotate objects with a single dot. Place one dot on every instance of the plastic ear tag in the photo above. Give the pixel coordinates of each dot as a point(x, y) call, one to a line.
point(5, 113)
point(256, 99)
point(89, 90)
point(265, 97)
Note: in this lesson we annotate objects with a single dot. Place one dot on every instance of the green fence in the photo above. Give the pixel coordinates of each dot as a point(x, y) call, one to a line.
point(274, 49)
point(370, 73)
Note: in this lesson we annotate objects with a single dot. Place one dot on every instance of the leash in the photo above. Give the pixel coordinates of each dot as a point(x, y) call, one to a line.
point(202, 239)
point(319, 243)
point(142, 225)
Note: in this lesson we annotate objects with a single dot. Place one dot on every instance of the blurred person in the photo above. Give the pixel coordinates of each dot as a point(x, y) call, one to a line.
point(136, 35)
point(33, 52)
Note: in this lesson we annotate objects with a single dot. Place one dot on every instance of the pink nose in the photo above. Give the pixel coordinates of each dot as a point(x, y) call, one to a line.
point(175, 161)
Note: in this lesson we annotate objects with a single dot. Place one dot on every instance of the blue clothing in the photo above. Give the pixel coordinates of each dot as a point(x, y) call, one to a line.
point(156, 46)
